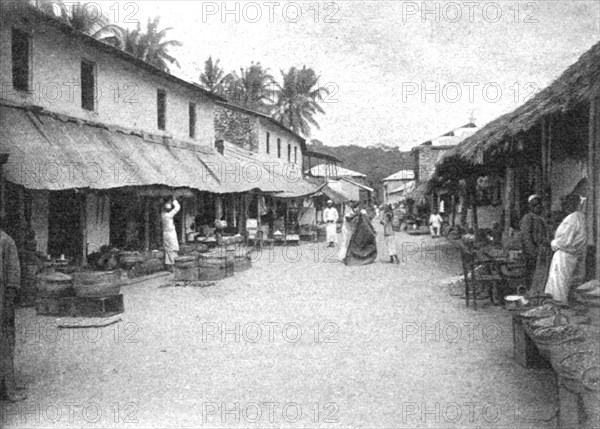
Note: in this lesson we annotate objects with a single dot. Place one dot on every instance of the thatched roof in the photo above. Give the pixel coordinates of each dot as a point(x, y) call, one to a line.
point(578, 83)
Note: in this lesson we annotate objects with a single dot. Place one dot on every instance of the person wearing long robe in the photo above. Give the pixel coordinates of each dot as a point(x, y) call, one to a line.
point(535, 245)
point(348, 227)
point(362, 244)
point(10, 282)
point(389, 235)
point(330, 216)
point(569, 245)
point(170, 243)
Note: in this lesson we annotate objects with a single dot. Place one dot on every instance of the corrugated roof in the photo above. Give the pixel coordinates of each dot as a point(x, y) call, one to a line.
point(328, 170)
point(283, 179)
point(405, 187)
point(360, 185)
point(401, 175)
point(54, 152)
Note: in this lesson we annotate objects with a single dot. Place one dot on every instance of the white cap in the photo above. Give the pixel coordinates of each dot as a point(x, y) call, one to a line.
point(533, 197)
point(329, 202)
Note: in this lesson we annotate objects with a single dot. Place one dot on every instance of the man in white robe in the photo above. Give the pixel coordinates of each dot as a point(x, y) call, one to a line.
point(331, 216)
point(569, 245)
point(170, 243)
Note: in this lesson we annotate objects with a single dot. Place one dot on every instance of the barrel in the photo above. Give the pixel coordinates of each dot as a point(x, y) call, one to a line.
point(54, 285)
point(215, 267)
point(186, 268)
point(95, 277)
point(97, 290)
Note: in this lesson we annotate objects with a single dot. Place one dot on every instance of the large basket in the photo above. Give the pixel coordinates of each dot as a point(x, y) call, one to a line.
point(55, 285)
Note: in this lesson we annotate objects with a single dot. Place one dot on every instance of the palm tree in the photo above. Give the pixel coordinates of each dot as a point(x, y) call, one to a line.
point(149, 46)
point(298, 100)
point(85, 17)
point(252, 88)
point(214, 79)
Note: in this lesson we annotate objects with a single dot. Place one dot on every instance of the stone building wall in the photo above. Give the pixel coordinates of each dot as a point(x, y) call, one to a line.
point(236, 127)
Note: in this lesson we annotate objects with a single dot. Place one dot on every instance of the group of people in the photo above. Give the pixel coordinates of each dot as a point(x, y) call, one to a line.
point(547, 272)
point(358, 243)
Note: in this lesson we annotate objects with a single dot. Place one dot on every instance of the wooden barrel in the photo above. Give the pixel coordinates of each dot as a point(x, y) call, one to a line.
point(98, 290)
point(215, 267)
point(186, 268)
point(96, 277)
point(55, 285)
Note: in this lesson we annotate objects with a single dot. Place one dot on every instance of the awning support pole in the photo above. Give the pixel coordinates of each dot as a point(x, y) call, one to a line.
point(83, 223)
point(146, 224)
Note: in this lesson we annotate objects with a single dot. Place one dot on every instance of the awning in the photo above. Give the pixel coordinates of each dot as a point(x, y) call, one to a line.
point(338, 197)
point(54, 152)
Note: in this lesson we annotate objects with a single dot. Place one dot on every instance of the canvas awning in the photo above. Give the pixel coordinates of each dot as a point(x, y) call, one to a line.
point(54, 152)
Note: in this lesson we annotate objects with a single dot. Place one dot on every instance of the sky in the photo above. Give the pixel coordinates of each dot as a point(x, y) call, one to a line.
point(399, 72)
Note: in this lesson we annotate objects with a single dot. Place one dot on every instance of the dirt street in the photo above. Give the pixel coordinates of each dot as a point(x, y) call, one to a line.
point(300, 340)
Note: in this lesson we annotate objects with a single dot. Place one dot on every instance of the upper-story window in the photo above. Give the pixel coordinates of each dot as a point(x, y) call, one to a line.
point(192, 117)
point(21, 47)
point(278, 148)
point(289, 152)
point(296, 154)
point(268, 142)
point(161, 109)
point(88, 85)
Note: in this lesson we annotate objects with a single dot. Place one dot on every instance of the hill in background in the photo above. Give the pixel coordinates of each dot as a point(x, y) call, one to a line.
point(377, 162)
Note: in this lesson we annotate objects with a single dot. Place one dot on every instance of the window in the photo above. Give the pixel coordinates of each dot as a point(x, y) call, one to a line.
point(88, 85)
point(192, 117)
point(289, 152)
point(296, 154)
point(278, 148)
point(268, 143)
point(161, 109)
point(20, 59)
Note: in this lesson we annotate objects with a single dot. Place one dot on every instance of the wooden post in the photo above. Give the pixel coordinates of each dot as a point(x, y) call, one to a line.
point(508, 197)
point(146, 224)
point(593, 208)
point(182, 211)
point(84, 234)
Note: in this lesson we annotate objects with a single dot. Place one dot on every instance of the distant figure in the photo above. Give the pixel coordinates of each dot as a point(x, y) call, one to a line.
point(10, 282)
point(388, 234)
point(170, 243)
point(331, 216)
point(569, 245)
point(347, 227)
point(376, 210)
point(435, 224)
point(535, 244)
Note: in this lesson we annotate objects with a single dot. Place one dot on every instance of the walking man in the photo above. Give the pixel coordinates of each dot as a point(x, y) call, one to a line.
point(388, 233)
point(435, 224)
point(10, 282)
point(170, 243)
point(331, 216)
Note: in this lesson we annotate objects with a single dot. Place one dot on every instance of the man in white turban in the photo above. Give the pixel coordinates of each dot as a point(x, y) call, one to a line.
point(331, 216)
point(569, 245)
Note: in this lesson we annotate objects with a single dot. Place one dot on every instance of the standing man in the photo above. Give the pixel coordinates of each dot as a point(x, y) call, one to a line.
point(388, 234)
point(435, 224)
point(569, 245)
point(331, 216)
point(534, 241)
point(10, 282)
point(170, 243)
